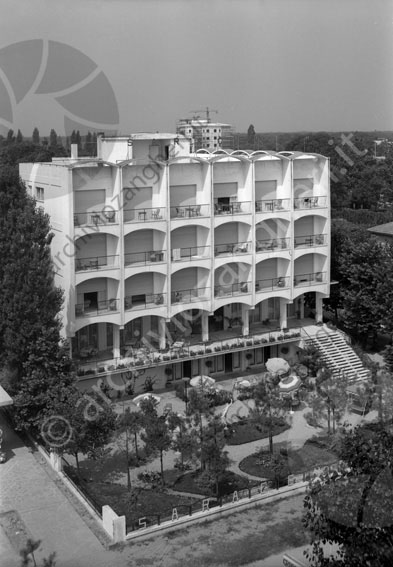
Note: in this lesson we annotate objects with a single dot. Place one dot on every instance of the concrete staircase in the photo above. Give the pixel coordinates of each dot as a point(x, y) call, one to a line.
point(336, 352)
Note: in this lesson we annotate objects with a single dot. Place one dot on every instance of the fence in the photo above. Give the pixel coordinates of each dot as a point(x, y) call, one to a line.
point(78, 485)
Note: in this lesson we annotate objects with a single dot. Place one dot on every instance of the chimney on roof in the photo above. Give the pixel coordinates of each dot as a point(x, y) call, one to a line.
point(74, 151)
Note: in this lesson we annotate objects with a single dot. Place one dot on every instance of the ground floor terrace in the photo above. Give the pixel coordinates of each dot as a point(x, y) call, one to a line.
point(226, 351)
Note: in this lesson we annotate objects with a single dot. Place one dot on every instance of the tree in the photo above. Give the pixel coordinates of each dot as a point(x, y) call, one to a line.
point(27, 555)
point(212, 449)
point(251, 136)
point(85, 421)
point(269, 406)
point(157, 436)
point(36, 136)
point(36, 366)
point(19, 137)
point(199, 409)
point(387, 354)
point(53, 138)
point(184, 439)
point(367, 271)
point(10, 136)
point(354, 509)
point(129, 423)
point(88, 149)
point(332, 393)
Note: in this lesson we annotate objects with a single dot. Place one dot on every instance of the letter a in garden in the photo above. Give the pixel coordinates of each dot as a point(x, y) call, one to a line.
point(205, 505)
point(235, 497)
point(174, 514)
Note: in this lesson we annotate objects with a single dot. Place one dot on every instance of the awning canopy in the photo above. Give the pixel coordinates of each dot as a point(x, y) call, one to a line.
point(5, 399)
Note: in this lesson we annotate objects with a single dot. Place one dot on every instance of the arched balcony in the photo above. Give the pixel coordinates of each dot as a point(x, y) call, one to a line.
point(272, 187)
point(190, 285)
point(232, 279)
point(145, 291)
point(232, 239)
point(309, 270)
point(96, 341)
point(145, 246)
point(310, 232)
point(97, 297)
point(272, 235)
point(231, 187)
point(96, 252)
point(190, 243)
point(272, 275)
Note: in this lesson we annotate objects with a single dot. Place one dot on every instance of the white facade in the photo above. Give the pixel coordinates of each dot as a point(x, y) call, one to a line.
point(152, 241)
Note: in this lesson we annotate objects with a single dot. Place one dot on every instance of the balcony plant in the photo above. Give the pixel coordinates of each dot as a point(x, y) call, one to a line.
point(217, 348)
point(100, 369)
point(208, 350)
point(249, 343)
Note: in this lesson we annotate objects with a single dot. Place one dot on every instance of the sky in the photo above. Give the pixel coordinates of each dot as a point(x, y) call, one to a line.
point(139, 65)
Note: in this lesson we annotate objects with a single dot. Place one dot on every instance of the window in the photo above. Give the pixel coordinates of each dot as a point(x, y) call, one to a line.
point(39, 193)
point(215, 129)
point(215, 137)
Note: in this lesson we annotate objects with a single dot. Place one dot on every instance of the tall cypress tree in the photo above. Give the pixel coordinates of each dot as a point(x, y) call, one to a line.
point(36, 136)
point(35, 364)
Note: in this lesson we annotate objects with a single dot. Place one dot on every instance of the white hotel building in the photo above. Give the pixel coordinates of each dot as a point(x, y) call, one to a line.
point(172, 258)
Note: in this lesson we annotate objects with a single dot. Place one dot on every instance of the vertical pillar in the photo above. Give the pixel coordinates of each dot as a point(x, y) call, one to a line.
point(283, 313)
point(318, 307)
point(264, 310)
point(205, 327)
point(101, 339)
point(301, 307)
point(116, 341)
point(56, 460)
point(245, 319)
point(227, 311)
point(161, 332)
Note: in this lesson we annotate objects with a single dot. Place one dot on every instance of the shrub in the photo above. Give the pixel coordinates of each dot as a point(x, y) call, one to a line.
point(180, 391)
point(101, 369)
point(152, 478)
point(311, 419)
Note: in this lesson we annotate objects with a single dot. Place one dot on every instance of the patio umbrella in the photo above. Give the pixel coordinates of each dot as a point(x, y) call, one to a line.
point(148, 396)
point(202, 382)
point(277, 366)
point(289, 384)
point(244, 384)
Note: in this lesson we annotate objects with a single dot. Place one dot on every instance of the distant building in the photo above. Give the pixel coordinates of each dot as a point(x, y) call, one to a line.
point(384, 232)
point(205, 133)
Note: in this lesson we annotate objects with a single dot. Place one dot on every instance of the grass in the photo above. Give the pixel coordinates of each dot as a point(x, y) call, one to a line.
point(150, 503)
point(246, 431)
point(315, 452)
point(229, 483)
point(235, 552)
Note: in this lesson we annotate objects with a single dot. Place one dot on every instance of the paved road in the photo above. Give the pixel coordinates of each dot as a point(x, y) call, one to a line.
point(48, 515)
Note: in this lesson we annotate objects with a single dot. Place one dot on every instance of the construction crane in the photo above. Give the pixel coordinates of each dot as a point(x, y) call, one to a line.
point(207, 110)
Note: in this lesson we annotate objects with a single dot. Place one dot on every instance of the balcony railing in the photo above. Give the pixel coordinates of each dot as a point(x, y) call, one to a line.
point(144, 214)
point(232, 249)
point(189, 211)
point(272, 205)
point(309, 202)
point(310, 240)
point(272, 244)
point(96, 263)
point(144, 301)
point(190, 295)
point(271, 284)
point(236, 208)
point(190, 253)
point(301, 280)
point(86, 310)
point(95, 218)
point(232, 289)
point(143, 258)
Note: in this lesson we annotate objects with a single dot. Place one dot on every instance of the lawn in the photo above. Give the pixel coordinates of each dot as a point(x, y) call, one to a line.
point(315, 452)
point(229, 483)
point(149, 503)
point(246, 431)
